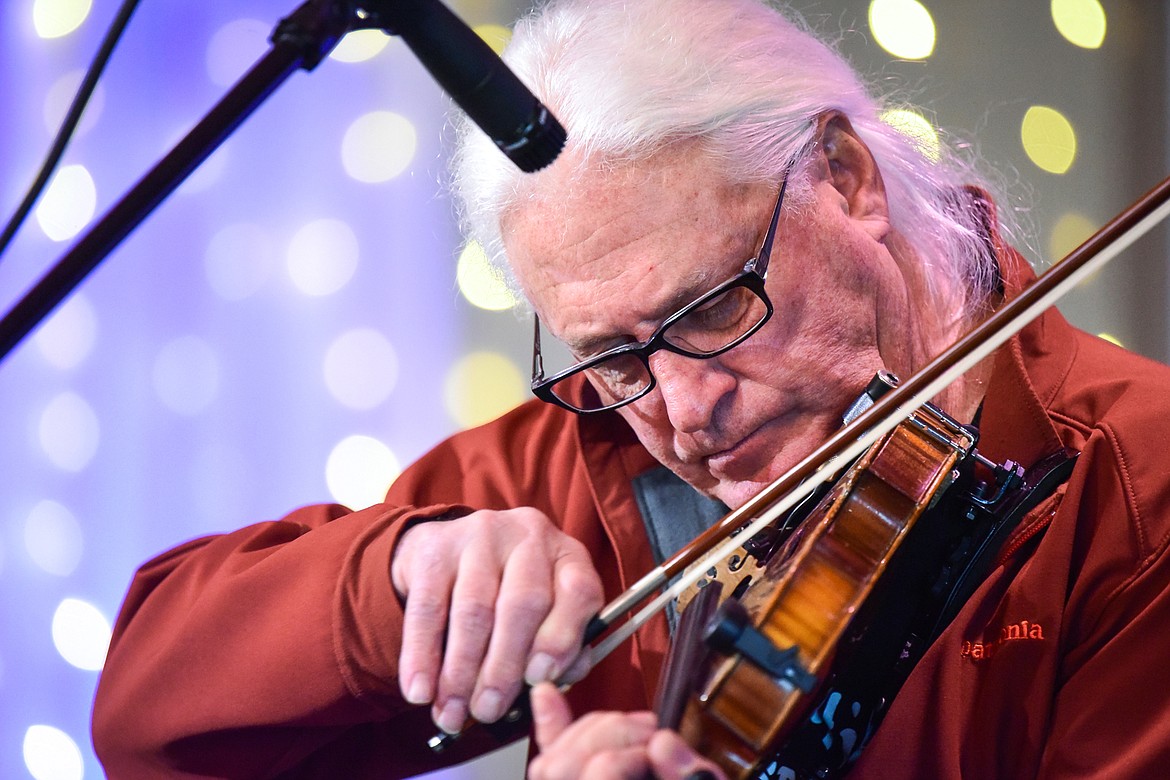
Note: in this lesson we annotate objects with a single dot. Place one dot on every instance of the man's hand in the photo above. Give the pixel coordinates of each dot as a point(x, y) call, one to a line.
point(492, 599)
point(607, 745)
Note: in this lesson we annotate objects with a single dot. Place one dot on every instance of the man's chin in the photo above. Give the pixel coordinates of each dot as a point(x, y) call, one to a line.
point(736, 493)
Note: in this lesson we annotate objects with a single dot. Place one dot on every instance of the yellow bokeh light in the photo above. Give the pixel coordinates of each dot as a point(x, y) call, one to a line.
point(1069, 232)
point(56, 18)
point(918, 128)
point(1049, 139)
point(481, 284)
point(904, 28)
point(1111, 339)
point(481, 386)
point(1081, 22)
point(495, 35)
point(360, 45)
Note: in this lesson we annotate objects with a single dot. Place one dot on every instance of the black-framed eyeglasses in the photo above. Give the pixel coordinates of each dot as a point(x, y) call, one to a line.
point(717, 321)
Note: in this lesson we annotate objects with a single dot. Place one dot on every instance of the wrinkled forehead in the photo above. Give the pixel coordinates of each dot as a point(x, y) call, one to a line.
point(583, 233)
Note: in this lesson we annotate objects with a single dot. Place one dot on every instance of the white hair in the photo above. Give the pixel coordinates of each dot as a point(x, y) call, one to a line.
point(627, 77)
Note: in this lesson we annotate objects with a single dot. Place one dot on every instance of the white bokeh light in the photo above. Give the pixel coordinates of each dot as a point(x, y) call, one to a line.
point(322, 256)
point(186, 375)
point(361, 368)
point(68, 203)
point(51, 754)
point(53, 538)
point(81, 634)
point(234, 48)
point(238, 260)
point(57, 18)
point(378, 146)
point(359, 471)
point(360, 45)
point(67, 338)
point(68, 432)
point(60, 97)
point(208, 174)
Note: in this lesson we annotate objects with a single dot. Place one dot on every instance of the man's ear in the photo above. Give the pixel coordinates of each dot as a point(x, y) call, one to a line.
point(851, 168)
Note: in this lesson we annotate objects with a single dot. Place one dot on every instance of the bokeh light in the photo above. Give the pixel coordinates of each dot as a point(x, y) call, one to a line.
point(378, 146)
point(917, 127)
point(68, 203)
point(1049, 139)
point(186, 375)
point(207, 174)
point(1081, 22)
point(67, 337)
point(57, 18)
point(359, 471)
point(51, 754)
point(234, 48)
point(904, 28)
point(481, 386)
point(81, 634)
point(495, 35)
point(1069, 232)
point(322, 256)
point(68, 432)
point(361, 368)
point(481, 283)
point(360, 45)
point(1111, 339)
point(239, 260)
point(53, 538)
point(60, 97)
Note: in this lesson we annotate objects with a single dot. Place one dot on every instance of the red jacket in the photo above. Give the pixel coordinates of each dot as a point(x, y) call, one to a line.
point(273, 649)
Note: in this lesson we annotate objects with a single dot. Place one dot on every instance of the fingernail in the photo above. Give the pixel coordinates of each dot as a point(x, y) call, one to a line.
point(488, 706)
point(453, 716)
point(419, 691)
point(540, 668)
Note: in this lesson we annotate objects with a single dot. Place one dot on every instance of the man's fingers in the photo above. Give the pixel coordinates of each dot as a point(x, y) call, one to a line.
point(424, 626)
point(469, 627)
point(523, 603)
point(550, 714)
point(602, 745)
point(577, 596)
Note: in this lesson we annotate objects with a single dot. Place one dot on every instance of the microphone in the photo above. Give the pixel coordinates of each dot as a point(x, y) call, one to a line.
point(475, 77)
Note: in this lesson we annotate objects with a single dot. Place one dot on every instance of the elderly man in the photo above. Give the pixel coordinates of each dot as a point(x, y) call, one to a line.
point(729, 249)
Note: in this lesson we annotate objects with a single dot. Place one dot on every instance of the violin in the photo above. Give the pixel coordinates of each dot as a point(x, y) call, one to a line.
point(793, 658)
point(776, 642)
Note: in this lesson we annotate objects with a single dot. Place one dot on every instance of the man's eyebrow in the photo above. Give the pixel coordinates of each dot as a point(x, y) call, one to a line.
point(697, 283)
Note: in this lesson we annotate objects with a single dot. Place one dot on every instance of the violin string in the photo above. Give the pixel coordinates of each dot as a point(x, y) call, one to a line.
point(654, 580)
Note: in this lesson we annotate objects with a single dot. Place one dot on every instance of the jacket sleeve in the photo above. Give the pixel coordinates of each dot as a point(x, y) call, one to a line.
point(1111, 711)
point(275, 647)
point(238, 655)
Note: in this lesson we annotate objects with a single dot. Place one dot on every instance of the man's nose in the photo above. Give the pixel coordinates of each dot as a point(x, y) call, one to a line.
point(691, 388)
